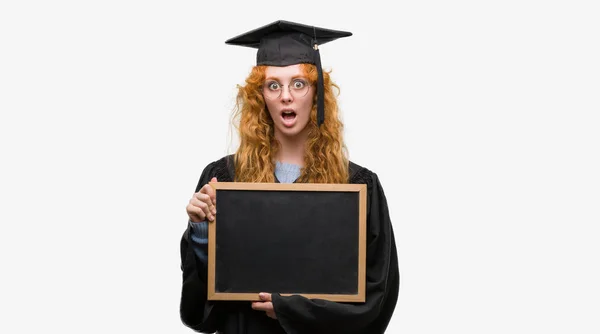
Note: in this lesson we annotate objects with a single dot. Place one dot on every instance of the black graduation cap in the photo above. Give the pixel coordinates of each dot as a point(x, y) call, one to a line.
point(284, 43)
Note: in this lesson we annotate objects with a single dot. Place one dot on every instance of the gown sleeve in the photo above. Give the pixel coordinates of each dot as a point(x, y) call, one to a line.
point(297, 314)
point(195, 310)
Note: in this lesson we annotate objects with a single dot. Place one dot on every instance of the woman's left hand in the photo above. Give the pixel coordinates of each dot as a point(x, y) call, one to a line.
point(265, 305)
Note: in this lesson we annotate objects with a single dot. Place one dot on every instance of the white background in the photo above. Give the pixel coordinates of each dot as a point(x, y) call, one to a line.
point(480, 117)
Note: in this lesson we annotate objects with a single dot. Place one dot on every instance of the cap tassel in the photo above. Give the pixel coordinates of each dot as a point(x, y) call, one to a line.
point(320, 88)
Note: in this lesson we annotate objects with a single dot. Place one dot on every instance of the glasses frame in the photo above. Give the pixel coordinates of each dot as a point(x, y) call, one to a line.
point(289, 88)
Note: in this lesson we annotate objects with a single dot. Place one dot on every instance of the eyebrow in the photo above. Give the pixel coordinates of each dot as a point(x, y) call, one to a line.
point(278, 79)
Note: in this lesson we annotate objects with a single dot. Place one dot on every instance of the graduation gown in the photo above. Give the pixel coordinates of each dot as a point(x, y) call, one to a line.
point(297, 314)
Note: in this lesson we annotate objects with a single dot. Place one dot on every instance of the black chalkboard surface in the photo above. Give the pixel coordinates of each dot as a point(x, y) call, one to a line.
point(305, 239)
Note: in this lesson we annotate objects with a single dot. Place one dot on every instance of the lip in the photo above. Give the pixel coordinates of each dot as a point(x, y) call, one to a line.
point(288, 123)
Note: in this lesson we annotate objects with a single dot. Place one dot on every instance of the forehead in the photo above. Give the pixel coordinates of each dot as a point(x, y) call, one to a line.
point(284, 71)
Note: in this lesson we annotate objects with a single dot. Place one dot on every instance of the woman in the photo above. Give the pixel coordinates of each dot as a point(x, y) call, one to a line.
point(290, 132)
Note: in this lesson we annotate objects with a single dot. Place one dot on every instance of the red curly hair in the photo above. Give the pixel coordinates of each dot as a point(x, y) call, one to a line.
point(325, 158)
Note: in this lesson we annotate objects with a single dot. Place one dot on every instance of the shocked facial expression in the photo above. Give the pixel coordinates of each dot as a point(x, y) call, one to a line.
point(289, 99)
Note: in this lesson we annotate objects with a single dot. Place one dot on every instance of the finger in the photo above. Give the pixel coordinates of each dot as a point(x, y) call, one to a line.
point(201, 208)
point(262, 306)
point(203, 201)
point(195, 213)
point(265, 297)
point(259, 306)
point(208, 190)
point(203, 197)
point(214, 198)
point(194, 217)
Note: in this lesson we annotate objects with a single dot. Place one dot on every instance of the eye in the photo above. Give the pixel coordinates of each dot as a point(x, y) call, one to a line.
point(299, 84)
point(273, 85)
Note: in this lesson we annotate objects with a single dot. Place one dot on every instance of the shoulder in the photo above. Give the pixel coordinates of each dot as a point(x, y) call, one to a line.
point(360, 174)
point(223, 169)
point(221, 163)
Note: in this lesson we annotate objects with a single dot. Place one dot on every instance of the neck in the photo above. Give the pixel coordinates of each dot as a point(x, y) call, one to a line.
point(292, 149)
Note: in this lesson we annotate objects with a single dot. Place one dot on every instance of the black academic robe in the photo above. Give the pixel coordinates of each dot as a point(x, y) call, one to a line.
point(297, 314)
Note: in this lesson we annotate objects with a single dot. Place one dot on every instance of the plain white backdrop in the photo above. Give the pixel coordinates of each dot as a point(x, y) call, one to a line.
point(480, 117)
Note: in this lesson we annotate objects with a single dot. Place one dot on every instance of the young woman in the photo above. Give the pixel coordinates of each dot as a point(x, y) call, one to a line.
point(289, 132)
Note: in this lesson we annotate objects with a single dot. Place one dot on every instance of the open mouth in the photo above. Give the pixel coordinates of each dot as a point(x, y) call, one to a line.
point(288, 115)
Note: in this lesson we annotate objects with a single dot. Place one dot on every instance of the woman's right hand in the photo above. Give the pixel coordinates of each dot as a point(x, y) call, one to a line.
point(202, 206)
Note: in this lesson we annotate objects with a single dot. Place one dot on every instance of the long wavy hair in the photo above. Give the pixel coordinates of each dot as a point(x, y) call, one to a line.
point(325, 157)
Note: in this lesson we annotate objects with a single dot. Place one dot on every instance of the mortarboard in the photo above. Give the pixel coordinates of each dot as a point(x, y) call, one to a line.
point(284, 43)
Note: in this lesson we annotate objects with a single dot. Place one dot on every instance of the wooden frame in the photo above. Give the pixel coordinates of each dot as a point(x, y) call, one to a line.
point(360, 189)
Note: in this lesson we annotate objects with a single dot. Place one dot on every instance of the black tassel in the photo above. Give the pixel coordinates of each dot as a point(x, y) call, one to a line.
point(320, 88)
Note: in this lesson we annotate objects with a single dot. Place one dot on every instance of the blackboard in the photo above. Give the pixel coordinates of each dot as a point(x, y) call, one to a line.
point(304, 239)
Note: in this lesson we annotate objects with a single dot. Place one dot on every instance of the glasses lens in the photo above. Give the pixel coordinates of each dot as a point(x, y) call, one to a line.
point(298, 88)
point(271, 90)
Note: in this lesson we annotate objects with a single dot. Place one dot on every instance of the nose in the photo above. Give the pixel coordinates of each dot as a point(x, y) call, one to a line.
point(286, 95)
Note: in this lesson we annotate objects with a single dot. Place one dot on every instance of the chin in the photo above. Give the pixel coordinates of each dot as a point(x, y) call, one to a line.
point(287, 132)
point(291, 132)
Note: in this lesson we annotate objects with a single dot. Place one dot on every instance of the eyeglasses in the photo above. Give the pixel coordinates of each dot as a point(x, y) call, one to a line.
point(297, 88)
